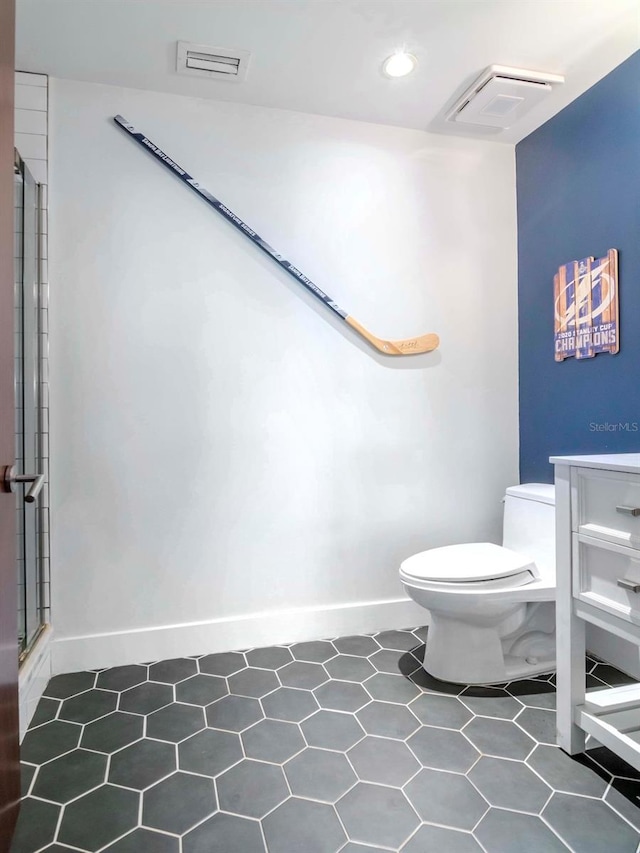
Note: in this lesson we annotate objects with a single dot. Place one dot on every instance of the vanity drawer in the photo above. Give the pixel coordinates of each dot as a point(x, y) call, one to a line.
point(605, 576)
point(608, 506)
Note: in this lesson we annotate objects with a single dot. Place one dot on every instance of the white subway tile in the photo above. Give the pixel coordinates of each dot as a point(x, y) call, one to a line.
point(32, 146)
point(27, 78)
point(30, 97)
point(31, 121)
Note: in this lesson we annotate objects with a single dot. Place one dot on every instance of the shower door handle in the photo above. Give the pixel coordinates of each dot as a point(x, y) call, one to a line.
point(10, 478)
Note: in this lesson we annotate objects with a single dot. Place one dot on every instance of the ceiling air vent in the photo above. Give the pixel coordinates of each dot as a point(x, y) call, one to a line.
point(217, 63)
point(501, 96)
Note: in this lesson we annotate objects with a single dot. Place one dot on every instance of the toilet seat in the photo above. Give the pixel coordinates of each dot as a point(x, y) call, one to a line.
point(472, 565)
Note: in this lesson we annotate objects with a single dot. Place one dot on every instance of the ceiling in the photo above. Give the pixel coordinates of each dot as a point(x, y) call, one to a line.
point(324, 56)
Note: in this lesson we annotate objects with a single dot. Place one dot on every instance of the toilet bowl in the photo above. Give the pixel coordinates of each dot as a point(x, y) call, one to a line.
point(492, 607)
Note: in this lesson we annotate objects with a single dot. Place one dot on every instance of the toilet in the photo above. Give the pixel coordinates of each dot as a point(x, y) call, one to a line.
point(492, 607)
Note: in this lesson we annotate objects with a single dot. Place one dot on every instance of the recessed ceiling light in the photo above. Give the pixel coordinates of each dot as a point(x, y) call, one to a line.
point(399, 64)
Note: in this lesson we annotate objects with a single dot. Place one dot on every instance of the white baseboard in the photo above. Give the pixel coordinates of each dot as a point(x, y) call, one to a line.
point(33, 677)
point(93, 651)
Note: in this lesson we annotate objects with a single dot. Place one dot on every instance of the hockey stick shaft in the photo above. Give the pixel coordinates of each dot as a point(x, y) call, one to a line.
point(229, 215)
point(424, 343)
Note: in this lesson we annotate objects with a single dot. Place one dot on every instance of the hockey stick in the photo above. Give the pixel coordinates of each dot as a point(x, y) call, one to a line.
point(410, 346)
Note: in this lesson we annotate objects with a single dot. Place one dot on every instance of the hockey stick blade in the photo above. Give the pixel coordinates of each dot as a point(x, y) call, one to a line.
point(410, 346)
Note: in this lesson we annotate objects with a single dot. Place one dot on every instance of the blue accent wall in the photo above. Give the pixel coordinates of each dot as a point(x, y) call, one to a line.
point(578, 186)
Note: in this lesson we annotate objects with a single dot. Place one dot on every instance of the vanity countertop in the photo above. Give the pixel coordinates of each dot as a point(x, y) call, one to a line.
point(628, 462)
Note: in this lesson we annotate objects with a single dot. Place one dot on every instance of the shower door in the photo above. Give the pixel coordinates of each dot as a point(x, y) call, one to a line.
point(27, 481)
point(9, 758)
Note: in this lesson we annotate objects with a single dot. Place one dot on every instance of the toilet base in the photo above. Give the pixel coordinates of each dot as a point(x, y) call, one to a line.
point(510, 668)
point(515, 669)
point(481, 654)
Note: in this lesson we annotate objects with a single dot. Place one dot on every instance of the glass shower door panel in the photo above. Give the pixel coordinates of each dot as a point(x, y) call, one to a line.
point(27, 427)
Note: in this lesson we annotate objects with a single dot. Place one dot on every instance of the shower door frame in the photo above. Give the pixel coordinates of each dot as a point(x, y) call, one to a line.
point(28, 451)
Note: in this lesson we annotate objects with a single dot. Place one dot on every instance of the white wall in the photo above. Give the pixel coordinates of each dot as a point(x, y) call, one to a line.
point(223, 449)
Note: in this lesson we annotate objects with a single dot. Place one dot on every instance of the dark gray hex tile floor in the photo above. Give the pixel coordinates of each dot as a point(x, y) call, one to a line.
point(490, 701)
point(209, 752)
point(320, 774)
point(349, 668)
point(139, 765)
point(111, 733)
point(273, 657)
point(146, 697)
point(289, 704)
point(175, 722)
point(65, 778)
point(304, 675)
point(88, 706)
point(447, 799)
point(388, 762)
point(173, 671)
point(225, 833)
point(223, 664)
point(330, 746)
point(118, 678)
point(252, 788)
point(201, 690)
point(388, 720)
point(138, 841)
point(234, 713)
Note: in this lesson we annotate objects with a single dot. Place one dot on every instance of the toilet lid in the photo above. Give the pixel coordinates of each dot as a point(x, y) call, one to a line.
point(477, 561)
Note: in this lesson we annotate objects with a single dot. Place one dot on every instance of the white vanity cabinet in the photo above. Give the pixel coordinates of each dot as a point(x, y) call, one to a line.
point(598, 581)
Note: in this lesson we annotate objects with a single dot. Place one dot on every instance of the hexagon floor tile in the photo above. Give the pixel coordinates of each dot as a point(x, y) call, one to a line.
point(142, 764)
point(178, 803)
point(320, 774)
point(252, 788)
point(99, 817)
point(333, 746)
point(377, 814)
point(299, 825)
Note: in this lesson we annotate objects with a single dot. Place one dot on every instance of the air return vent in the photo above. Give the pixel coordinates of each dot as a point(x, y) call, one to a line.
point(217, 63)
point(501, 96)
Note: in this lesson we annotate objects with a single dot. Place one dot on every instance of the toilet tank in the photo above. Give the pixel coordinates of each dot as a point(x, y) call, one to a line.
point(529, 524)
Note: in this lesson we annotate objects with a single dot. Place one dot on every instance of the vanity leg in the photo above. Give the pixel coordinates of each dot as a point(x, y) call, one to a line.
point(570, 683)
point(570, 630)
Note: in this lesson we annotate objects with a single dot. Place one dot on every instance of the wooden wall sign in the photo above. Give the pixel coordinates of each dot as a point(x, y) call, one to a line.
point(586, 307)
